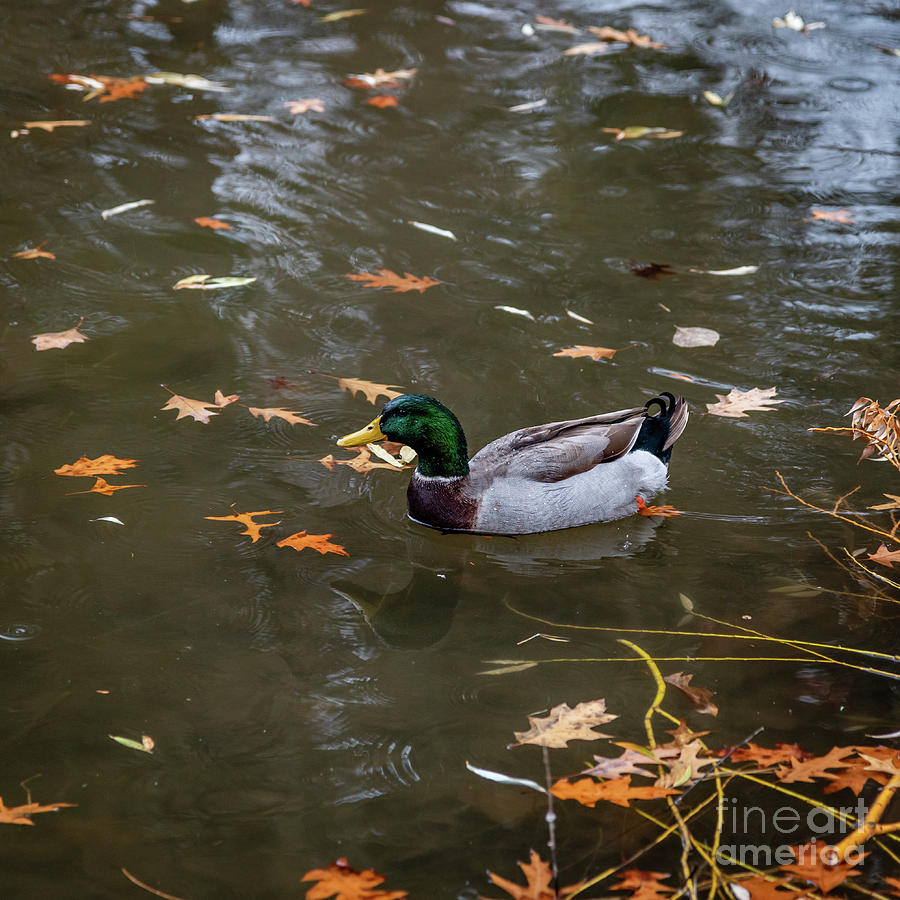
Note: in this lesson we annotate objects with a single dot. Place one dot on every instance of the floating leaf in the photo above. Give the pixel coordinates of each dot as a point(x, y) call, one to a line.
point(545, 23)
point(589, 792)
point(102, 465)
point(643, 884)
point(514, 310)
point(192, 82)
point(382, 101)
point(21, 815)
point(114, 521)
point(593, 352)
point(716, 100)
point(500, 778)
point(342, 14)
point(145, 745)
point(527, 107)
point(738, 270)
point(234, 117)
point(400, 284)
point(298, 107)
point(700, 697)
point(208, 222)
point(379, 77)
point(432, 229)
point(885, 557)
point(633, 132)
point(102, 487)
point(303, 541)
point(58, 340)
point(343, 883)
point(292, 418)
point(204, 282)
point(371, 390)
point(735, 404)
point(540, 882)
point(564, 723)
point(695, 337)
point(198, 410)
point(253, 529)
point(34, 253)
point(629, 36)
point(841, 216)
point(578, 318)
point(792, 21)
point(590, 48)
point(362, 462)
point(50, 125)
point(124, 207)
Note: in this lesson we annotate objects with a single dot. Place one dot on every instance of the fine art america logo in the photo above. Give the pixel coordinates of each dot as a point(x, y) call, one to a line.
point(763, 838)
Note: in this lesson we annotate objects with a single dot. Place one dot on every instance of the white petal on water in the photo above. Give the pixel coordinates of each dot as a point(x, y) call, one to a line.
point(740, 270)
point(527, 107)
point(517, 312)
point(578, 318)
point(500, 778)
point(124, 207)
point(433, 229)
point(112, 519)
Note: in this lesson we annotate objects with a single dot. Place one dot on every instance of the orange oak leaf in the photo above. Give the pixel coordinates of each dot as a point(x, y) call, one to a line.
point(102, 465)
point(362, 462)
point(102, 487)
point(761, 888)
point(617, 790)
point(629, 36)
point(400, 283)
point(540, 882)
point(34, 252)
point(370, 389)
point(842, 216)
point(21, 815)
point(664, 511)
point(117, 88)
point(885, 557)
point(894, 885)
point(700, 697)
point(198, 410)
point(816, 767)
point(566, 723)
point(208, 222)
point(279, 413)
point(382, 101)
point(58, 340)
point(854, 777)
point(302, 541)
point(592, 352)
point(344, 883)
point(810, 866)
point(644, 885)
point(766, 756)
point(253, 529)
point(298, 107)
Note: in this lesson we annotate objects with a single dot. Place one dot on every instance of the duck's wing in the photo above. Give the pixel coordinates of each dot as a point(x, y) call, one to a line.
point(559, 450)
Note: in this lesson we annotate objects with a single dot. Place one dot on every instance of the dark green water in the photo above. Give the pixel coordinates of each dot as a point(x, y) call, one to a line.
point(292, 725)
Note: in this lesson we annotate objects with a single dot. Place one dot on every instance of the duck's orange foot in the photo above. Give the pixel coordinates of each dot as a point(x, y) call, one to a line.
point(644, 510)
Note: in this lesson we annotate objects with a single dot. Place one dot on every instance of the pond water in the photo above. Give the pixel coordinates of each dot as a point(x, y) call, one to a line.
point(306, 707)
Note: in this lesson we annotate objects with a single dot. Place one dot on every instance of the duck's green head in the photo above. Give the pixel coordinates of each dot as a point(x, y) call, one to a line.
point(424, 424)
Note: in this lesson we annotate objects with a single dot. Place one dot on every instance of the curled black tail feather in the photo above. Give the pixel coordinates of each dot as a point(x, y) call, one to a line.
point(659, 432)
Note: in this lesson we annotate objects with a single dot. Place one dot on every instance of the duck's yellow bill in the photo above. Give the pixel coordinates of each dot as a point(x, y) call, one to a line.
point(367, 435)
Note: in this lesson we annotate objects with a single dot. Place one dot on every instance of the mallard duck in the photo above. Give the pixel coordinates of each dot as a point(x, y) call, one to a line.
point(541, 478)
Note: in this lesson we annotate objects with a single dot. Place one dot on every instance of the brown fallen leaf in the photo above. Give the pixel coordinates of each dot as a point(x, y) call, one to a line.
point(101, 465)
point(208, 222)
point(198, 410)
point(593, 352)
point(21, 815)
point(651, 270)
point(379, 78)
point(682, 736)
point(58, 340)
point(588, 48)
point(765, 757)
point(589, 792)
point(342, 14)
point(234, 117)
point(643, 884)
point(885, 557)
point(815, 767)
point(50, 125)
point(854, 777)
point(661, 511)
point(253, 529)
point(629, 36)
point(303, 541)
point(630, 762)
point(540, 882)
point(382, 101)
point(548, 24)
point(564, 723)
point(893, 504)
point(700, 697)
point(399, 283)
point(119, 88)
point(686, 765)
point(372, 390)
point(634, 132)
point(35, 253)
point(761, 888)
point(735, 404)
point(292, 418)
point(102, 487)
point(221, 400)
point(841, 216)
point(343, 883)
point(810, 866)
point(298, 107)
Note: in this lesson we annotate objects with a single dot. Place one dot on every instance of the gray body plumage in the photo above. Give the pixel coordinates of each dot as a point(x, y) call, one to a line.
point(547, 477)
